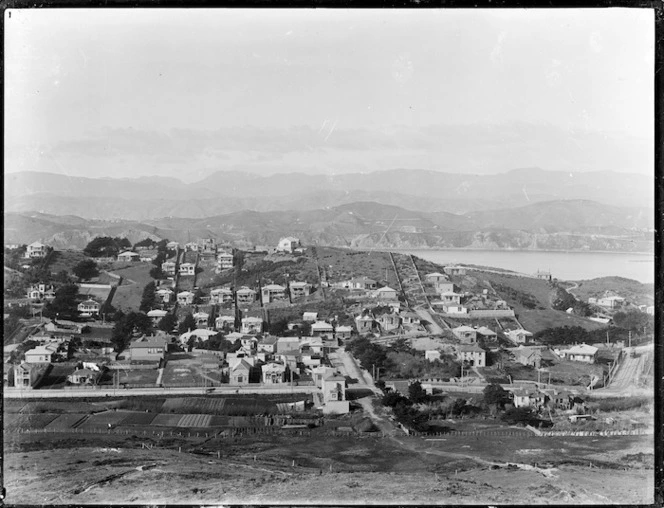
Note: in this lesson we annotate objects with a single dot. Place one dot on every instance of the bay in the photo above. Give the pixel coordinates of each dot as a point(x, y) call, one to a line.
point(562, 265)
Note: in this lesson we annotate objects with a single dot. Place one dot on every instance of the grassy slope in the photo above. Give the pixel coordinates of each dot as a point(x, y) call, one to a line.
point(634, 291)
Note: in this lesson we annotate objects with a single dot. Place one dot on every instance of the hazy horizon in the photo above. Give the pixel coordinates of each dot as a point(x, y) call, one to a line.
point(187, 92)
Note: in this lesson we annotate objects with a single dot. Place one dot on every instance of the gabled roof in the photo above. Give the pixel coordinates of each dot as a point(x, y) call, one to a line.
point(157, 313)
point(344, 329)
point(299, 284)
point(275, 287)
point(483, 330)
point(185, 293)
point(128, 253)
point(243, 365)
point(464, 328)
point(245, 289)
point(252, 319)
point(436, 274)
point(385, 290)
point(321, 325)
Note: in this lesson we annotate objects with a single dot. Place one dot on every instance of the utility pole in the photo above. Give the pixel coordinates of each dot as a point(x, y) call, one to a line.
point(630, 337)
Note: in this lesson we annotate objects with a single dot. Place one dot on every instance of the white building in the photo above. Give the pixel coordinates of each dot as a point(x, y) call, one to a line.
point(36, 250)
point(288, 244)
point(187, 269)
point(251, 325)
point(473, 354)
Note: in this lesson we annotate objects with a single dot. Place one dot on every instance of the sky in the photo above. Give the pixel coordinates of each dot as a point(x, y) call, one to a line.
point(187, 92)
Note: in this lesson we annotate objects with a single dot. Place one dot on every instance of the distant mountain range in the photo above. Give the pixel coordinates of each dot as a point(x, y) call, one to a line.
point(155, 197)
point(551, 225)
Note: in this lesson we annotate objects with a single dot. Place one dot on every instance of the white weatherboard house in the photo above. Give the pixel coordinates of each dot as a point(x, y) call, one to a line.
point(473, 354)
point(185, 298)
point(580, 353)
point(36, 250)
point(128, 256)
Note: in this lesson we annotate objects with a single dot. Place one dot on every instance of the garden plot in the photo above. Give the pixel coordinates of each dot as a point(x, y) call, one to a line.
point(67, 421)
point(165, 420)
point(102, 420)
point(29, 421)
point(194, 420)
point(194, 404)
point(137, 418)
point(181, 373)
point(237, 406)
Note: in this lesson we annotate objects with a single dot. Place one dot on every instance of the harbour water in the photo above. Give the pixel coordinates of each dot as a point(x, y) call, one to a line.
point(562, 265)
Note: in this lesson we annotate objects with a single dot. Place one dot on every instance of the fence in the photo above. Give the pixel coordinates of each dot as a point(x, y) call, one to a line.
point(491, 313)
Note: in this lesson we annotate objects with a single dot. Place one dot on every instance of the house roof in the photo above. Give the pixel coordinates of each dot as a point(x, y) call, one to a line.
point(157, 313)
point(450, 293)
point(251, 319)
point(273, 367)
point(321, 325)
point(89, 301)
point(519, 332)
point(241, 365)
point(583, 349)
point(245, 290)
point(148, 343)
point(464, 328)
point(470, 348)
point(221, 290)
point(84, 372)
point(483, 330)
point(436, 274)
point(40, 350)
point(341, 329)
point(201, 315)
point(185, 293)
point(269, 341)
point(274, 287)
point(362, 279)
point(164, 291)
point(128, 253)
point(299, 284)
point(386, 289)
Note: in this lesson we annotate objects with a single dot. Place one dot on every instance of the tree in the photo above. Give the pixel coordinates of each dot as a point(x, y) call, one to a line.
point(86, 269)
point(392, 399)
point(188, 323)
point(168, 322)
point(157, 273)
point(64, 302)
point(105, 246)
point(126, 325)
point(519, 415)
point(147, 242)
point(416, 393)
point(149, 298)
point(633, 321)
point(496, 394)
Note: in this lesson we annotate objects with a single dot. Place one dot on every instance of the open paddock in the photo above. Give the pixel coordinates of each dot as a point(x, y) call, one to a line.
point(28, 421)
